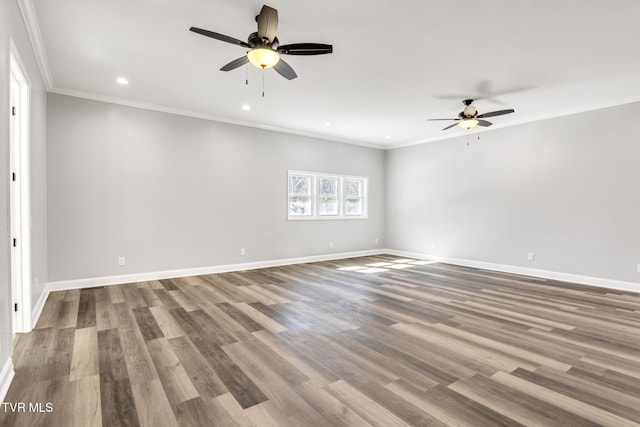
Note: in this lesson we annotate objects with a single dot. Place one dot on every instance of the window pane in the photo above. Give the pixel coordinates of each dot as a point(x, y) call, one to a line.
point(299, 185)
point(300, 206)
point(328, 206)
point(328, 186)
point(353, 188)
point(353, 207)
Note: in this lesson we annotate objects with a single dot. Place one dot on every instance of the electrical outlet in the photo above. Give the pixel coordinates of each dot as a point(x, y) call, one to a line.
point(638, 268)
point(377, 241)
point(330, 244)
point(531, 256)
point(242, 251)
point(121, 260)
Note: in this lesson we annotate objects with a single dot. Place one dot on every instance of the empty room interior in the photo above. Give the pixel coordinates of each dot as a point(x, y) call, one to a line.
point(363, 213)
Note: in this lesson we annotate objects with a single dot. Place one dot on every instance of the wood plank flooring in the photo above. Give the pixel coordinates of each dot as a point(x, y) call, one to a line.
point(333, 344)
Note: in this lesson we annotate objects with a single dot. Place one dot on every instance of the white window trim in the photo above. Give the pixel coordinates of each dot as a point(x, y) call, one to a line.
point(315, 194)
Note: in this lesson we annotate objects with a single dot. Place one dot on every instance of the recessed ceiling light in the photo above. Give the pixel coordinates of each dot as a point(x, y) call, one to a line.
point(327, 124)
point(246, 107)
point(387, 137)
point(122, 81)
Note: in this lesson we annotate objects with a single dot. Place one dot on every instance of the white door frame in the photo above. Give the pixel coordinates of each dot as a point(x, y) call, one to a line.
point(20, 191)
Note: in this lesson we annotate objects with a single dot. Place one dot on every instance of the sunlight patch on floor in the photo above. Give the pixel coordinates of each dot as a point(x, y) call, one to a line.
point(379, 267)
point(372, 270)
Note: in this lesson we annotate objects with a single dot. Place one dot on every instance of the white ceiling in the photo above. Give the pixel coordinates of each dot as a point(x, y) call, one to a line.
point(395, 63)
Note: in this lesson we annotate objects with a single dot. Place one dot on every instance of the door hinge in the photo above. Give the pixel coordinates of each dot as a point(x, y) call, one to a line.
point(15, 242)
point(13, 111)
point(15, 307)
point(13, 176)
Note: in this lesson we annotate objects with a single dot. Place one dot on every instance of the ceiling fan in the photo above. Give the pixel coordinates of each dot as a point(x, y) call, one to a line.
point(265, 47)
point(469, 117)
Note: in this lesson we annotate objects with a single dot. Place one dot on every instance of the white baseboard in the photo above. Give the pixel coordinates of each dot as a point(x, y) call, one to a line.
point(544, 274)
point(37, 309)
point(6, 375)
point(169, 274)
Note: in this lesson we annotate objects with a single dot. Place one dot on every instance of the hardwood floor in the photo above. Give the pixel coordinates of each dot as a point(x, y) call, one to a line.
point(328, 344)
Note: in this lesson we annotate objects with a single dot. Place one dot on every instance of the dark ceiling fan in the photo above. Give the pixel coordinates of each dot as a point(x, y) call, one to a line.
point(469, 117)
point(265, 47)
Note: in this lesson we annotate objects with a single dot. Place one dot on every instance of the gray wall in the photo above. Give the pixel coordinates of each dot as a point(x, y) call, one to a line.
point(172, 192)
point(567, 189)
point(11, 25)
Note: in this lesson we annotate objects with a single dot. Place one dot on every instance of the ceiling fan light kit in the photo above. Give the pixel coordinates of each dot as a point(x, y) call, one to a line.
point(263, 57)
point(469, 117)
point(468, 123)
point(265, 49)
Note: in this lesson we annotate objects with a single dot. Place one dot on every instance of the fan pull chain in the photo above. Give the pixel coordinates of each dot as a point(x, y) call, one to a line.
point(477, 137)
point(263, 82)
point(246, 76)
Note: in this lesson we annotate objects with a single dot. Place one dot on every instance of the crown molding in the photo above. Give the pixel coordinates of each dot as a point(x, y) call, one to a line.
point(204, 116)
point(33, 30)
point(535, 118)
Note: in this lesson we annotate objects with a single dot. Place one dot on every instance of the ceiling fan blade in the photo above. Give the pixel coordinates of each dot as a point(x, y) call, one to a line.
point(495, 113)
point(450, 126)
point(235, 63)
point(484, 123)
point(440, 119)
point(218, 36)
point(306, 49)
point(285, 70)
point(268, 23)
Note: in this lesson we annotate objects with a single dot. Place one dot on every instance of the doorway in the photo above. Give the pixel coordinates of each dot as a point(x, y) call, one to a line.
point(19, 192)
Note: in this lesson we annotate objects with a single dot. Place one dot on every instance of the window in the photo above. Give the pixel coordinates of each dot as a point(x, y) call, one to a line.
point(300, 195)
point(328, 197)
point(353, 199)
point(315, 195)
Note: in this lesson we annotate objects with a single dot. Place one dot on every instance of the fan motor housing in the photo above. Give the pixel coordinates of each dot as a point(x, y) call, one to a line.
point(469, 112)
point(256, 41)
